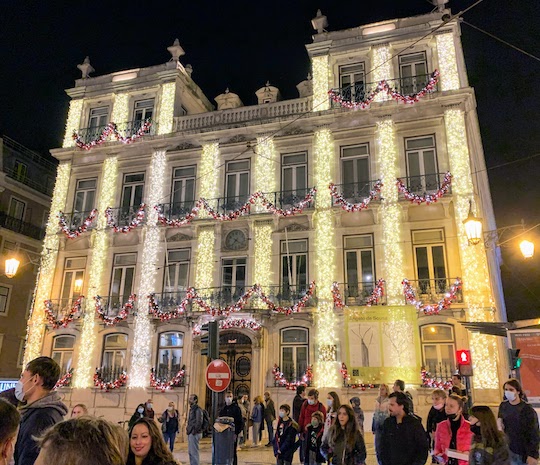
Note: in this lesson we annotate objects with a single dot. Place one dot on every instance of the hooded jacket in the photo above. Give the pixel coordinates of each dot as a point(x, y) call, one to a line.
point(35, 419)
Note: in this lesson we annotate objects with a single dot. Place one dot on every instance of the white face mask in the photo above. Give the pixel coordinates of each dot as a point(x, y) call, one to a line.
point(329, 402)
point(149, 406)
point(438, 406)
point(228, 400)
point(170, 409)
point(510, 395)
point(140, 410)
point(281, 414)
point(311, 402)
point(19, 390)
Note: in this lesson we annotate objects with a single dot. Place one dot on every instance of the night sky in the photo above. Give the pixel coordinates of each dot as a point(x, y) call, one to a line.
point(242, 44)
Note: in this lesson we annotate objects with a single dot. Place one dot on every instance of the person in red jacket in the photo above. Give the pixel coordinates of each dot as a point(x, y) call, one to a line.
point(309, 406)
point(454, 433)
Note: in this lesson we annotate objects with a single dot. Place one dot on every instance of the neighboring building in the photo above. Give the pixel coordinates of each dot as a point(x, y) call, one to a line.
point(282, 148)
point(26, 187)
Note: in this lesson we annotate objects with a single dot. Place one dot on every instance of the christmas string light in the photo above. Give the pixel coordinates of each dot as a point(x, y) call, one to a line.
point(355, 207)
point(280, 380)
point(231, 323)
point(109, 385)
point(443, 304)
point(64, 381)
point(122, 314)
point(427, 198)
point(321, 82)
point(177, 312)
point(446, 54)
point(67, 319)
point(377, 294)
point(345, 374)
point(381, 65)
point(139, 217)
point(73, 122)
point(177, 380)
point(111, 129)
point(73, 233)
point(166, 108)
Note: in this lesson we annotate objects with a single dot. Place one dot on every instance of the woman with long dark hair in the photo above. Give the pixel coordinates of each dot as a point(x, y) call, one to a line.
point(146, 445)
point(332, 404)
point(489, 446)
point(344, 444)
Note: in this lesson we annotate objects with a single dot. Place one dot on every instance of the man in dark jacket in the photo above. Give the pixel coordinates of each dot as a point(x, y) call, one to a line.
point(43, 406)
point(298, 401)
point(404, 440)
point(231, 409)
point(285, 439)
point(194, 429)
point(269, 417)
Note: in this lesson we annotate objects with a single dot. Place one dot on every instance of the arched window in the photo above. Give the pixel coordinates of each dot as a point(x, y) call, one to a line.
point(114, 354)
point(438, 349)
point(62, 352)
point(169, 359)
point(294, 353)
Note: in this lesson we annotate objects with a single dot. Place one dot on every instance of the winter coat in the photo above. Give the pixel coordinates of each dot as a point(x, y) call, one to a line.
point(296, 407)
point(35, 419)
point(233, 411)
point(170, 424)
point(521, 428)
point(306, 412)
point(269, 411)
point(257, 413)
point(316, 435)
point(403, 443)
point(359, 414)
point(136, 416)
point(434, 418)
point(195, 420)
point(443, 437)
point(338, 454)
point(482, 455)
point(285, 439)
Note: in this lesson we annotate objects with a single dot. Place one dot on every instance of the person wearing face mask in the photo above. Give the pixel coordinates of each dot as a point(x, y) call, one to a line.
point(489, 445)
point(454, 433)
point(169, 425)
point(137, 415)
point(194, 428)
point(148, 409)
point(9, 426)
point(332, 405)
point(358, 413)
point(285, 437)
point(436, 415)
point(313, 442)
point(310, 405)
point(43, 408)
point(231, 409)
point(519, 422)
point(269, 417)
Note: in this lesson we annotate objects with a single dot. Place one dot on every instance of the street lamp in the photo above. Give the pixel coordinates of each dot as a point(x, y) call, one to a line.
point(12, 265)
point(473, 228)
point(527, 248)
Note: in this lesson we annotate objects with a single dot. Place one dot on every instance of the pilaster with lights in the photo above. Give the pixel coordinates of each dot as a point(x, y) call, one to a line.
point(382, 67)
point(73, 122)
point(166, 110)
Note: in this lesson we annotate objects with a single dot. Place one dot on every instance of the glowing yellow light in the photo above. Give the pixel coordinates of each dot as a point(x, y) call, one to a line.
point(526, 247)
point(209, 173)
point(142, 342)
point(382, 68)
point(12, 265)
point(262, 273)
point(120, 111)
point(321, 83)
point(265, 167)
point(204, 268)
point(36, 321)
point(476, 286)
point(166, 110)
point(446, 51)
point(73, 122)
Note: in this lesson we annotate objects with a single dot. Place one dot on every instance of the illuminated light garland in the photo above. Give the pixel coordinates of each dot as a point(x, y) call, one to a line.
point(67, 319)
point(373, 299)
point(178, 380)
point(166, 109)
point(139, 217)
point(73, 233)
point(177, 312)
point(321, 82)
point(280, 380)
point(446, 51)
point(205, 258)
point(382, 66)
point(345, 374)
point(443, 304)
point(122, 314)
point(73, 122)
point(209, 172)
point(51, 243)
point(111, 129)
point(262, 252)
point(426, 198)
point(110, 385)
point(120, 111)
point(231, 323)
point(265, 166)
point(355, 207)
point(64, 381)
point(430, 381)
point(384, 88)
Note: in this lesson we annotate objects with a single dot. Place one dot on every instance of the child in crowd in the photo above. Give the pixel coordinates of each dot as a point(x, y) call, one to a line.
point(312, 444)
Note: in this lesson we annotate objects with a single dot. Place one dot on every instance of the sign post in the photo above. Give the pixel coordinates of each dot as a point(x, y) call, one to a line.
point(218, 377)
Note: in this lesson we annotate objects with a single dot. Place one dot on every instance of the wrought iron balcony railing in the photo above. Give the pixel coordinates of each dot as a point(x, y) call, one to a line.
point(425, 184)
point(168, 302)
point(111, 305)
point(109, 374)
point(354, 192)
point(75, 219)
point(123, 216)
point(439, 370)
point(293, 372)
point(177, 210)
point(431, 291)
point(126, 129)
point(164, 373)
point(39, 184)
point(61, 308)
point(358, 293)
point(21, 227)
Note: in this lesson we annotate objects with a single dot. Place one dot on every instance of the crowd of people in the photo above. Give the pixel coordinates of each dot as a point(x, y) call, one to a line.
point(33, 430)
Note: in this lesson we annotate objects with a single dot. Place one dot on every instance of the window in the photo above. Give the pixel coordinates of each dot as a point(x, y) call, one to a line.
point(421, 154)
point(4, 299)
point(293, 177)
point(294, 353)
point(85, 194)
point(438, 349)
point(183, 193)
point(62, 352)
point(114, 355)
point(176, 270)
point(123, 276)
point(143, 110)
point(294, 276)
point(98, 117)
point(352, 82)
point(132, 192)
point(359, 266)
point(72, 281)
point(429, 255)
point(237, 183)
point(233, 277)
point(19, 171)
point(355, 171)
point(169, 360)
point(16, 209)
point(413, 72)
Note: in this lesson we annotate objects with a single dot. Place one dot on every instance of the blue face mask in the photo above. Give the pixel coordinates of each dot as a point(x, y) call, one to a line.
point(19, 390)
point(140, 410)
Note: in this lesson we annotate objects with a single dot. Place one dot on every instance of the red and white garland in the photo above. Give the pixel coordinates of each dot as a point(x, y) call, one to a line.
point(336, 294)
point(64, 381)
point(355, 207)
point(111, 128)
point(243, 210)
point(139, 217)
point(383, 86)
point(73, 233)
point(377, 294)
point(443, 304)
point(67, 319)
point(431, 382)
point(177, 380)
point(229, 323)
point(280, 380)
point(345, 374)
point(177, 312)
point(122, 314)
point(109, 386)
point(427, 198)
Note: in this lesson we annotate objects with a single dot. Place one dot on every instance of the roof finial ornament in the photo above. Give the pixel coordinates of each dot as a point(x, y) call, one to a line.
point(320, 22)
point(86, 68)
point(176, 50)
point(440, 4)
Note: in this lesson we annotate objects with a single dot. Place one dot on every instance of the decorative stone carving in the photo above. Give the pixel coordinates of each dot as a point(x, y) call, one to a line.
point(176, 50)
point(237, 138)
point(268, 94)
point(305, 88)
point(86, 68)
point(179, 237)
point(320, 22)
point(185, 146)
point(293, 227)
point(228, 100)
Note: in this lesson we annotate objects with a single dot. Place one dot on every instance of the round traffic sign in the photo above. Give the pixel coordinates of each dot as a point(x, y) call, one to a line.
point(218, 375)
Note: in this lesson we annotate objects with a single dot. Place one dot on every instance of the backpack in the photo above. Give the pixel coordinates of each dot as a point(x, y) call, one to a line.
point(206, 427)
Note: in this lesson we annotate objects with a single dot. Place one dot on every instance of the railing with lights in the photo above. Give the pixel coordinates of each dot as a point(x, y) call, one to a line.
point(62, 308)
point(358, 294)
point(126, 129)
point(168, 302)
point(425, 184)
point(177, 210)
point(431, 291)
point(355, 192)
point(440, 370)
point(111, 305)
point(111, 374)
point(163, 372)
point(293, 372)
point(124, 216)
point(75, 220)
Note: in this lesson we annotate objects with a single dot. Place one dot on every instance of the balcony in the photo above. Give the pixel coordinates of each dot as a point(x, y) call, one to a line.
point(354, 192)
point(110, 374)
point(168, 302)
point(111, 306)
point(431, 291)
point(61, 308)
point(357, 294)
point(177, 210)
point(42, 186)
point(126, 129)
point(124, 216)
point(425, 184)
point(75, 220)
point(164, 373)
point(21, 227)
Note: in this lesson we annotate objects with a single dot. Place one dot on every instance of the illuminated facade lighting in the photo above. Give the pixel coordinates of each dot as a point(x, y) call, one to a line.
point(262, 273)
point(73, 123)
point(446, 51)
point(265, 167)
point(321, 83)
point(166, 109)
point(382, 68)
point(209, 173)
point(120, 111)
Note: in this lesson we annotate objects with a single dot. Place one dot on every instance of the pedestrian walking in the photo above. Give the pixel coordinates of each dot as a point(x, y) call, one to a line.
point(137, 415)
point(269, 417)
point(436, 414)
point(149, 409)
point(286, 434)
point(380, 414)
point(194, 429)
point(332, 405)
point(170, 424)
point(244, 408)
point(403, 438)
point(519, 422)
point(489, 446)
point(256, 418)
point(231, 409)
point(457, 386)
point(79, 410)
point(358, 413)
point(9, 426)
point(344, 445)
point(146, 445)
point(298, 401)
point(399, 386)
point(311, 405)
point(313, 442)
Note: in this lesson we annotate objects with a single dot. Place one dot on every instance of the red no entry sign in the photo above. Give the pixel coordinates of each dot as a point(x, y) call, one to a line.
point(218, 375)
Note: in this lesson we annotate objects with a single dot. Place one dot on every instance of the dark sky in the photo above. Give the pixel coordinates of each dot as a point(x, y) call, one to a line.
point(242, 44)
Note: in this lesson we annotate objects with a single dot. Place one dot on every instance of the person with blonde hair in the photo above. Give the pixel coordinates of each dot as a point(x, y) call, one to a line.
point(256, 418)
point(9, 427)
point(379, 415)
point(79, 410)
point(83, 441)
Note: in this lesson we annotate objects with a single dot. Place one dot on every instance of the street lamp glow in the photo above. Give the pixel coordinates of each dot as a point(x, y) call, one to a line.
point(527, 248)
point(12, 265)
point(78, 285)
point(473, 228)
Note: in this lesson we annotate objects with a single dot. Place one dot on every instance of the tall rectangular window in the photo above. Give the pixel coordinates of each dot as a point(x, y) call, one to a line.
point(62, 352)
point(98, 117)
point(177, 270)
point(123, 277)
point(85, 195)
point(114, 356)
point(413, 72)
point(352, 82)
point(4, 299)
point(355, 171)
point(170, 349)
point(72, 281)
point(430, 260)
point(143, 110)
point(183, 190)
point(422, 170)
point(438, 349)
point(233, 277)
point(132, 191)
point(19, 171)
point(294, 353)
point(359, 266)
point(293, 178)
point(16, 209)
point(237, 183)
point(294, 267)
